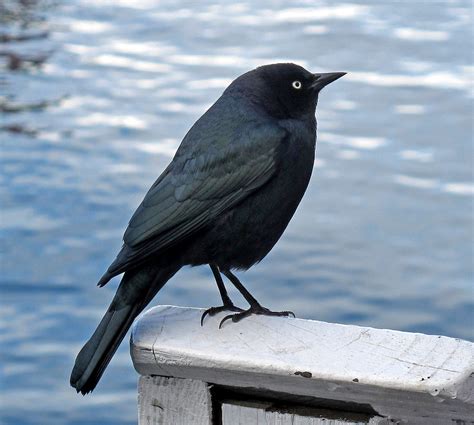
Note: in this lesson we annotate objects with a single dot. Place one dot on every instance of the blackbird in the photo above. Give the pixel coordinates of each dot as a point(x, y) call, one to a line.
point(224, 200)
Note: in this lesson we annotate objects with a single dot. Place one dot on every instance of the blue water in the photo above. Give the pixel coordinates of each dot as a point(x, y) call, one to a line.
point(383, 237)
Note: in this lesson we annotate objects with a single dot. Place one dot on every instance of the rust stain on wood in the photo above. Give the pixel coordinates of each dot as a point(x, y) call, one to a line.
point(304, 374)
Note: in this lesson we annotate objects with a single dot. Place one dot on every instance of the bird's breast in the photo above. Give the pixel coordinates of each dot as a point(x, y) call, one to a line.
point(245, 234)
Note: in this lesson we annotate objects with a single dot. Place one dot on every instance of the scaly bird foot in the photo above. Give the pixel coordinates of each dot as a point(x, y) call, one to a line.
point(255, 309)
point(212, 311)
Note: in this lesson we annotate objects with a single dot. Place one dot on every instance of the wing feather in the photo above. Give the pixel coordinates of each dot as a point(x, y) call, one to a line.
point(196, 188)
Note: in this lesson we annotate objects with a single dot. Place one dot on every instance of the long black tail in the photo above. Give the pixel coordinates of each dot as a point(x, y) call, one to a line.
point(135, 291)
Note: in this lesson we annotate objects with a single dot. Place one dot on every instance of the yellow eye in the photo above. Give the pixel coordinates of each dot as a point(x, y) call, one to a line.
point(296, 84)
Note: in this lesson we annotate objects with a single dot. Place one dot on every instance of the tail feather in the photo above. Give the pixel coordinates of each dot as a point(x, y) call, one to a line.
point(135, 291)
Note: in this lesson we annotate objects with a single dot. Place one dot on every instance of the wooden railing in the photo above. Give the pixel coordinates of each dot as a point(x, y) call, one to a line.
point(273, 370)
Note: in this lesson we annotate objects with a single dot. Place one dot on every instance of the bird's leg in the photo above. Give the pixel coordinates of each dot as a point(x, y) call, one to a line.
point(255, 307)
point(227, 303)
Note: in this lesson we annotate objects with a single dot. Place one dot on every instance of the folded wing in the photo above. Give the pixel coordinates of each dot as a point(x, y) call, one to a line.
point(198, 186)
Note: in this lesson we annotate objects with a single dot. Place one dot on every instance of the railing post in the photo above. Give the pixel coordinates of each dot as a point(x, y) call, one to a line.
point(174, 401)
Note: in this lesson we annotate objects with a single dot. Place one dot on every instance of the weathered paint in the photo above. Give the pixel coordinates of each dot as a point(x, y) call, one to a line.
point(401, 375)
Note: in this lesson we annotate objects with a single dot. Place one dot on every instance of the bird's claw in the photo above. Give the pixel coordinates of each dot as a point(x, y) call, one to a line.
point(212, 311)
point(254, 310)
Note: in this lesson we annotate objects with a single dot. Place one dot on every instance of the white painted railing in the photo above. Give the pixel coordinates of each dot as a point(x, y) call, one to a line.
point(273, 370)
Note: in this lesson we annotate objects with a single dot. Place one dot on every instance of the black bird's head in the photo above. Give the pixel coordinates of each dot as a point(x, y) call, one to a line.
point(284, 90)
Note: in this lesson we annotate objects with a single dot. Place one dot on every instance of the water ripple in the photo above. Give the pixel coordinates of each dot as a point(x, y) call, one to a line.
point(96, 97)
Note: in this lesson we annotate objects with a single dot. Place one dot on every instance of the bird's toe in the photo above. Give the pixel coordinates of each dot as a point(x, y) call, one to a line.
point(256, 309)
point(212, 311)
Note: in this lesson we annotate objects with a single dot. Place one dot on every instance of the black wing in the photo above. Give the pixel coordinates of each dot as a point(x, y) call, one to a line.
point(202, 181)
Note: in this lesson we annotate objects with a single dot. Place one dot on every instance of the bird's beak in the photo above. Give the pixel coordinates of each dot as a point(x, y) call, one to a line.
point(322, 80)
